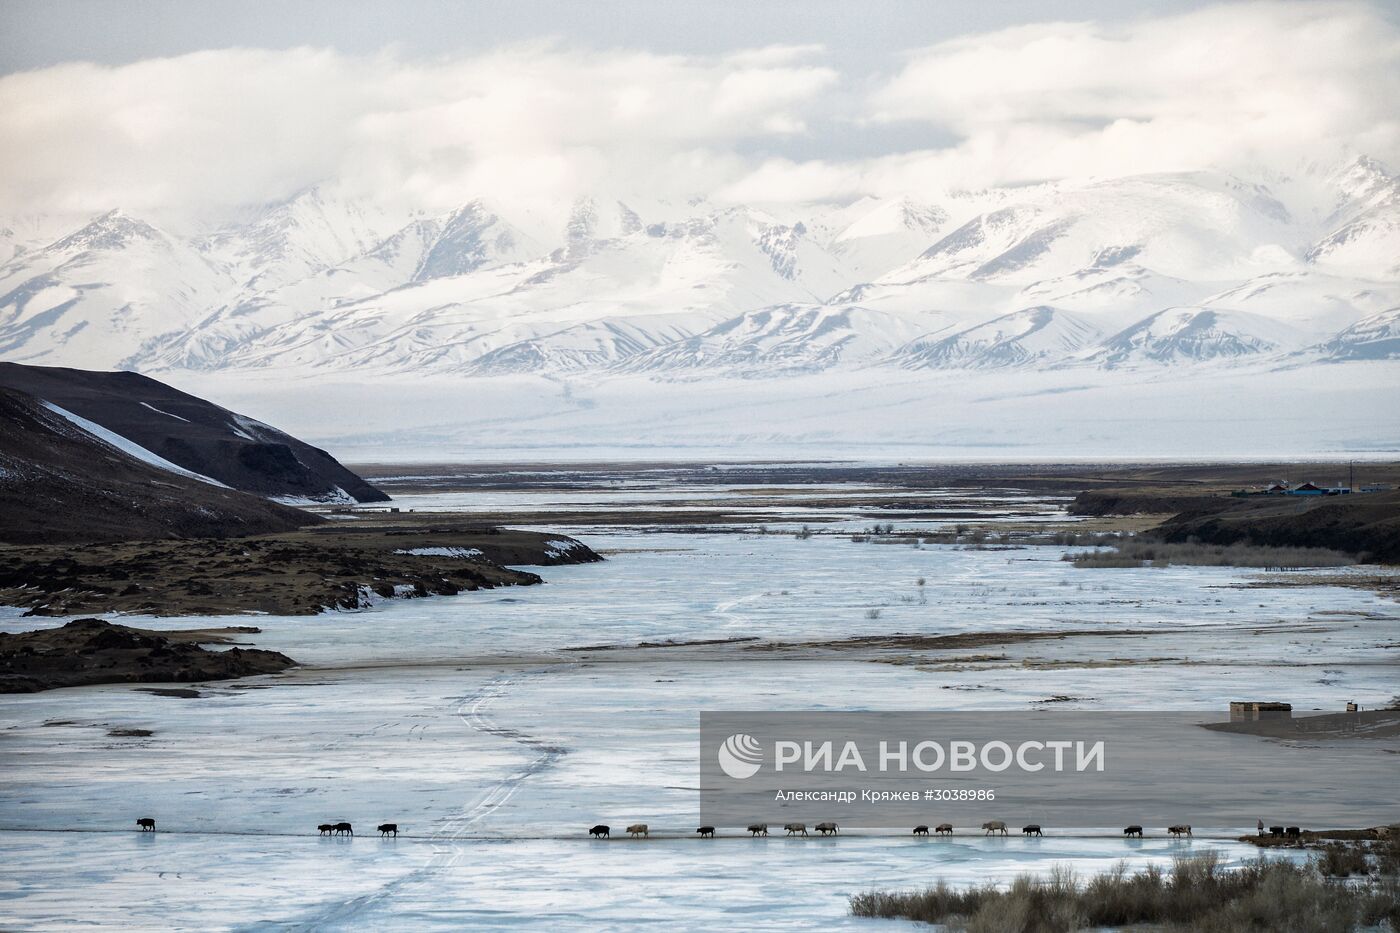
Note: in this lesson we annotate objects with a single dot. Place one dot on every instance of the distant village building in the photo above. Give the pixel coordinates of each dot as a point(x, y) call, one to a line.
point(1253, 710)
point(1309, 489)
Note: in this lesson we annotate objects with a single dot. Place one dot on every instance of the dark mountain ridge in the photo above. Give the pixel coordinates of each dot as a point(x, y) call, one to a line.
point(193, 433)
point(60, 484)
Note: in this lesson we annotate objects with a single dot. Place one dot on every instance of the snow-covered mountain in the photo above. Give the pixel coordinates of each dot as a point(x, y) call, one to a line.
point(1192, 335)
point(781, 339)
point(1374, 338)
point(111, 291)
point(1200, 268)
point(1020, 338)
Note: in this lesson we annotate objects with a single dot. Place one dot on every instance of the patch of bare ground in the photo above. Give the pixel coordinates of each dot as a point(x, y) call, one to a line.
point(1383, 582)
point(91, 651)
point(667, 643)
point(958, 641)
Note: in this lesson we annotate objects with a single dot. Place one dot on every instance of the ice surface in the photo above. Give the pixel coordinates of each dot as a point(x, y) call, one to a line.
point(176, 882)
point(468, 722)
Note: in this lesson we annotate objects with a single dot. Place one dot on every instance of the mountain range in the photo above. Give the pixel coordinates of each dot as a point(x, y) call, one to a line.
point(1167, 270)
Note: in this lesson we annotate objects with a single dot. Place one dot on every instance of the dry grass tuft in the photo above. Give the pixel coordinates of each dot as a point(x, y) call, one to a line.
point(1196, 894)
point(1139, 553)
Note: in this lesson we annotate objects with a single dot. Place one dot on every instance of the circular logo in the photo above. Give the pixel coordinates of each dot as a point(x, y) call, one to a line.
point(740, 756)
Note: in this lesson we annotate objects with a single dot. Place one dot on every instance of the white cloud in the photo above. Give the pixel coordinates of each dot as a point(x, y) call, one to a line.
point(1231, 84)
point(207, 132)
point(230, 127)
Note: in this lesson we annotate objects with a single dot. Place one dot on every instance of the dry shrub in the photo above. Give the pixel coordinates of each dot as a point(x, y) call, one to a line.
point(1140, 553)
point(1197, 894)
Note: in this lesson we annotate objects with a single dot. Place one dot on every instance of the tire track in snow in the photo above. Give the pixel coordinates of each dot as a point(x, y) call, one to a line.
point(473, 710)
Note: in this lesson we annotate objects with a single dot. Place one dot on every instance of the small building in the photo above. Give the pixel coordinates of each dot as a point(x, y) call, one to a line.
point(1307, 489)
point(1254, 710)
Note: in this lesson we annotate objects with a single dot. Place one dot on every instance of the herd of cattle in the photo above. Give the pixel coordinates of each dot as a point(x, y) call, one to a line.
point(991, 827)
point(148, 825)
point(603, 831)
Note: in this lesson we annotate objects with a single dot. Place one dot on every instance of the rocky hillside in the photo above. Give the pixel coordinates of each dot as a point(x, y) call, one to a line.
point(195, 435)
point(60, 483)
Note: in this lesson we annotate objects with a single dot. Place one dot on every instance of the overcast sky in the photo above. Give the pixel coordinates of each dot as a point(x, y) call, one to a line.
point(196, 107)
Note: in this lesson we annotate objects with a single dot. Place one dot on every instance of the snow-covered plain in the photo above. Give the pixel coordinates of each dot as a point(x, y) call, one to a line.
point(1236, 411)
point(469, 722)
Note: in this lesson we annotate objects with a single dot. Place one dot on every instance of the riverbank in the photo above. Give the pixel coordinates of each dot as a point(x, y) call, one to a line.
point(347, 564)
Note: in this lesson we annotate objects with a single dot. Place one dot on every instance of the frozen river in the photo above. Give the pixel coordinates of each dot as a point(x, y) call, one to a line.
point(471, 723)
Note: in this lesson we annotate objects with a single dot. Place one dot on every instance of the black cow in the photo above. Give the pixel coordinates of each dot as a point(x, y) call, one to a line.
point(706, 832)
point(1293, 832)
point(344, 829)
point(1031, 830)
point(326, 829)
point(1134, 830)
point(921, 830)
point(147, 824)
point(1275, 830)
point(600, 831)
point(389, 829)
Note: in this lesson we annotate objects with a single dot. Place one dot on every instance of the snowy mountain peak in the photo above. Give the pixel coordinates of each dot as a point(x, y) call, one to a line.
point(112, 231)
point(780, 242)
point(300, 236)
point(1190, 335)
point(1374, 338)
point(894, 216)
point(1022, 337)
point(591, 223)
point(1365, 181)
point(470, 238)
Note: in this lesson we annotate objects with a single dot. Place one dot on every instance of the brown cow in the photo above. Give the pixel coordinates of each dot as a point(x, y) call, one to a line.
point(1181, 829)
point(943, 829)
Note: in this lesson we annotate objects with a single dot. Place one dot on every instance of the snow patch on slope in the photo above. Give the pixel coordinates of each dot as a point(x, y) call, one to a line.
point(133, 450)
